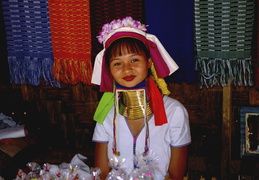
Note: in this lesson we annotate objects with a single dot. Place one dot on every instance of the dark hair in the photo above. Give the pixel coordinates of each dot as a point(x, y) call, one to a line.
point(124, 46)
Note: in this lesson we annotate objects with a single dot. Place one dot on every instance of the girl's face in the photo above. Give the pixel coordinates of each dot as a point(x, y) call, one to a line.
point(130, 69)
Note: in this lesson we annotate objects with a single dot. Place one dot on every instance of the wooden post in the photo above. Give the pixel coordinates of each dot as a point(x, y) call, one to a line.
point(226, 132)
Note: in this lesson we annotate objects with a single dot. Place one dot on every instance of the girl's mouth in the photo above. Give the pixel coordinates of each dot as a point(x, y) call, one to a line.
point(129, 78)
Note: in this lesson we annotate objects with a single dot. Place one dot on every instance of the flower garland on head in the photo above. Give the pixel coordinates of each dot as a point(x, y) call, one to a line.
point(116, 24)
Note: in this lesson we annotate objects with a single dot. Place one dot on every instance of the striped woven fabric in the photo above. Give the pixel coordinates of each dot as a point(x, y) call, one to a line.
point(223, 38)
point(71, 40)
point(28, 41)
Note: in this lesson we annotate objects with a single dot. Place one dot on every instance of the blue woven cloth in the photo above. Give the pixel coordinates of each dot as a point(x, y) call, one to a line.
point(28, 41)
point(172, 21)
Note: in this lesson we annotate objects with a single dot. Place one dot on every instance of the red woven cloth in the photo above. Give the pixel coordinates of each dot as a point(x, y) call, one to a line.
point(71, 40)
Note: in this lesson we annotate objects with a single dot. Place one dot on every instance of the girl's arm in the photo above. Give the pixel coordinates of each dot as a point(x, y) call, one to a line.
point(101, 159)
point(178, 162)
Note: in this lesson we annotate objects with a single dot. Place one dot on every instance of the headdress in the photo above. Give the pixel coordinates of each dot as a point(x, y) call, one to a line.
point(163, 64)
point(127, 27)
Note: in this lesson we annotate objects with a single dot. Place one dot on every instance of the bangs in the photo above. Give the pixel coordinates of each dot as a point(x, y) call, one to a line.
point(125, 46)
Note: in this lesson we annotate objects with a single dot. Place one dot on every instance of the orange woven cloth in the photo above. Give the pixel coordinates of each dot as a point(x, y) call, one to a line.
point(71, 40)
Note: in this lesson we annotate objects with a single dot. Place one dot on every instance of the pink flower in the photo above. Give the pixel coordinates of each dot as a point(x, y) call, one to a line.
point(119, 23)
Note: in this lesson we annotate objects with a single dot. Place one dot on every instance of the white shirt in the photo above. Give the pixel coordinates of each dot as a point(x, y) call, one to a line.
point(176, 133)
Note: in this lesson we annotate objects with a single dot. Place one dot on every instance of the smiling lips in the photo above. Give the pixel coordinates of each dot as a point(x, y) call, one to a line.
point(129, 78)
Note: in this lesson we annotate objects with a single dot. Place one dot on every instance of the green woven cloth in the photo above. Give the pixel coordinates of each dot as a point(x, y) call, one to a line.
point(223, 38)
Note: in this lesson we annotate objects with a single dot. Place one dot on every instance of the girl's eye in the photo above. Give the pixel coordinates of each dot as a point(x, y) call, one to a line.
point(117, 64)
point(134, 60)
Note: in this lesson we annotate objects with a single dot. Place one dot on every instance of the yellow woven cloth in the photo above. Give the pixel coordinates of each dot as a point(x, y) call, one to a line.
point(71, 40)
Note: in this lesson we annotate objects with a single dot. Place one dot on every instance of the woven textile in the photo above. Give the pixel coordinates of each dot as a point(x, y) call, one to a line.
point(71, 40)
point(172, 22)
point(28, 41)
point(223, 32)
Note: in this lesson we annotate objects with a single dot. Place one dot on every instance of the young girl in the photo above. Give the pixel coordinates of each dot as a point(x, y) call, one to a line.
point(140, 131)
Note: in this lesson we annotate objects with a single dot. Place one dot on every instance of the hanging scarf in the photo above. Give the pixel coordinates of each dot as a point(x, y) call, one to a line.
point(28, 42)
point(223, 37)
point(172, 22)
point(71, 40)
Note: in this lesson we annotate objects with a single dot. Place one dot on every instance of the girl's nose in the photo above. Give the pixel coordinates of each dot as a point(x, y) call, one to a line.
point(127, 68)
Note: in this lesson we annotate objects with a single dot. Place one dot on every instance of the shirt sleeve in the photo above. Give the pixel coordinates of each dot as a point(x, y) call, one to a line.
point(179, 128)
point(100, 133)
